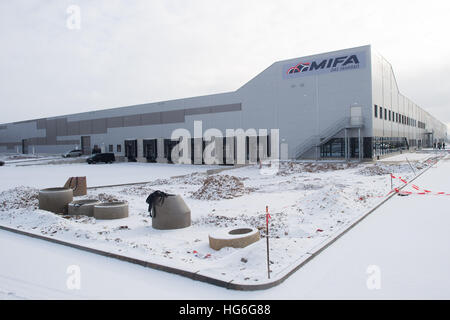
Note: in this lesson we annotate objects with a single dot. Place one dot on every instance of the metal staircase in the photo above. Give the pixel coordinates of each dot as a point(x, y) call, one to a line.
point(327, 134)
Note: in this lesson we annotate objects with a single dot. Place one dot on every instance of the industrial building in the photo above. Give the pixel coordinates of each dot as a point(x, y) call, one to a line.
point(342, 104)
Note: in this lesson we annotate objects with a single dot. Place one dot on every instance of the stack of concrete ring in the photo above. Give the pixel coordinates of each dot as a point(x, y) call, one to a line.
point(60, 201)
point(99, 210)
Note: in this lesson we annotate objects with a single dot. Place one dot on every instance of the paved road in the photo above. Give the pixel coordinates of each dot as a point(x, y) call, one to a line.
point(402, 250)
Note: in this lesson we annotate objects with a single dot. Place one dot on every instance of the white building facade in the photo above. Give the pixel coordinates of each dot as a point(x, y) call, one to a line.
point(341, 104)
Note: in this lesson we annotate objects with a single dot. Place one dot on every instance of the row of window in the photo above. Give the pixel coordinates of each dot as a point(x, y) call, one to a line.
point(396, 117)
point(386, 145)
point(372, 146)
point(335, 148)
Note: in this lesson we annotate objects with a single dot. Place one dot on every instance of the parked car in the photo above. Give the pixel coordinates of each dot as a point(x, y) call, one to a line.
point(101, 157)
point(1, 163)
point(73, 153)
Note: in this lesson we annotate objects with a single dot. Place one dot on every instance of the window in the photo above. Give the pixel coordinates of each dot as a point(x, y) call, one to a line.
point(385, 114)
point(396, 117)
point(119, 148)
point(376, 111)
point(381, 112)
point(110, 148)
point(389, 115)
point(386, 145)
point(333, 148)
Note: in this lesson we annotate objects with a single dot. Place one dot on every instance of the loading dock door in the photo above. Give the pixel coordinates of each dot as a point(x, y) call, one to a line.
point(24, 146)
point(131, 149)
point(86, 145)
point(168, 147)
point(150, 149)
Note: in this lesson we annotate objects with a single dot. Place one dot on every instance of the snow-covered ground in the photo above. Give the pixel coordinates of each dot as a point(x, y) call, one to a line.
point(404, 243)
point(309, 203)
point(18, 157)
point(44, 176)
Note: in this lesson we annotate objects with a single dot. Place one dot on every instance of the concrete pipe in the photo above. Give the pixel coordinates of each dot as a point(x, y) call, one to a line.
point(232, 237)
point(55, 199)
point(111, 210)
point(172, 213)
point(83, 207)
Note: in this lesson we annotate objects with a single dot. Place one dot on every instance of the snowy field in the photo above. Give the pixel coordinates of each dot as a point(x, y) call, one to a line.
point(18, 157)
point(309, 203)
point(45, 176)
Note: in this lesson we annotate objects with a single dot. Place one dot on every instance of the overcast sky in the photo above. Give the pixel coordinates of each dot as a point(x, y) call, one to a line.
point(132, 52)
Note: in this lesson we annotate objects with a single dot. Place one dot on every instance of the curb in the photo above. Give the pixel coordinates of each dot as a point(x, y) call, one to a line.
point(202, 278)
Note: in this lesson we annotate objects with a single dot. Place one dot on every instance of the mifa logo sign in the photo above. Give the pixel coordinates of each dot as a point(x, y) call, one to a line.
point(352, 61)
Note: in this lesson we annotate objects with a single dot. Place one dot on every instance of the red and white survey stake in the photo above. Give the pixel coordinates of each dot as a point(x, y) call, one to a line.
point(267, 240)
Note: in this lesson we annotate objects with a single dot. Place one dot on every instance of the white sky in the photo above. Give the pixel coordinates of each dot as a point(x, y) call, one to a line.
point(132, 52)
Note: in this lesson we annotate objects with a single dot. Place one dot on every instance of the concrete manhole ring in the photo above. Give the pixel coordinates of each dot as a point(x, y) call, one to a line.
point(55, 199)
point(173, 213)
point(111, 210)
point(83, 207)
point(233, 237)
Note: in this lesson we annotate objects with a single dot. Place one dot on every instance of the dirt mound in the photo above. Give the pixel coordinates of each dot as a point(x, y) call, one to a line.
point(19, 198)
point(278, 225)
point(374, 170)
point(104, 197)
point(380, 169)
point(145, 189)
point(219, 187)
point(288, 168)
point(192, 179)
point(138, 190)
point(195, 178)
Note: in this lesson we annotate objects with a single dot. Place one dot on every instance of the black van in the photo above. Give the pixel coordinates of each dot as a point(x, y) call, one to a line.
point(101, 157)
